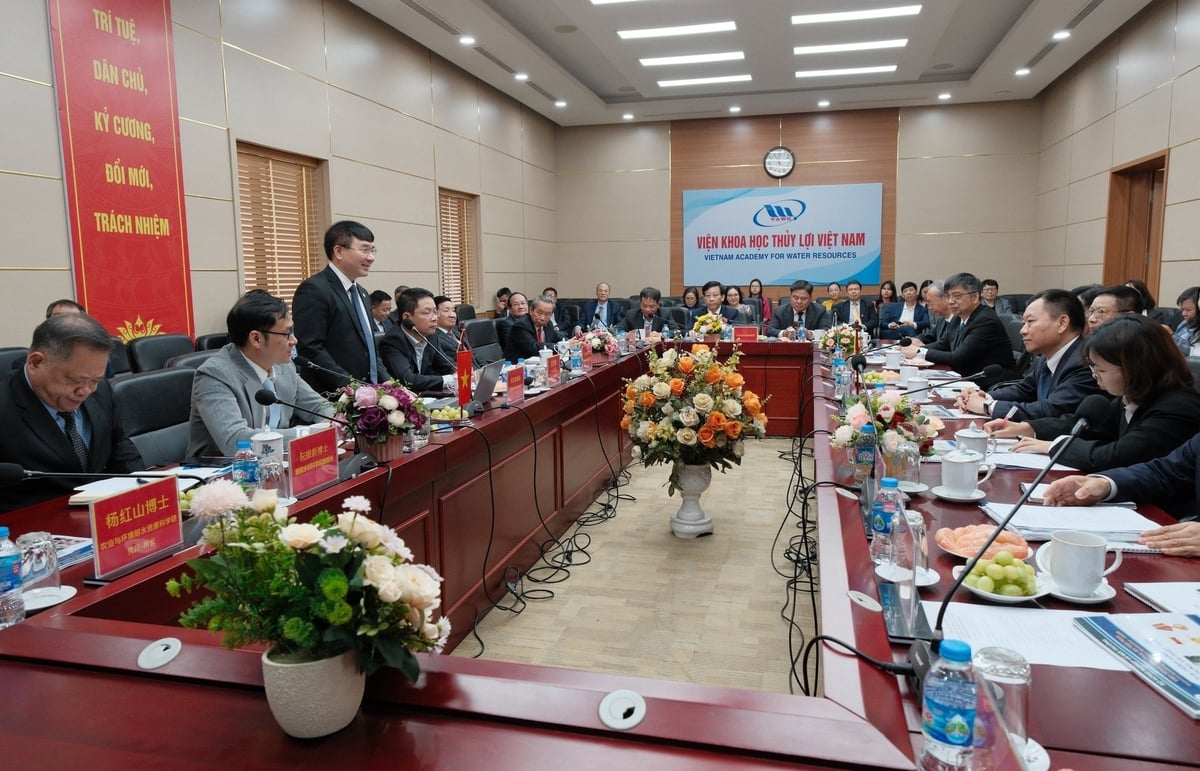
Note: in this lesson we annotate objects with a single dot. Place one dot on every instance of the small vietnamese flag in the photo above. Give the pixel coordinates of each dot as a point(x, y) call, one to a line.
point(464, 377)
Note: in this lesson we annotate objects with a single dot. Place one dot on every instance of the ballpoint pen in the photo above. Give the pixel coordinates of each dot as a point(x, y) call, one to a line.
point(1008, 416)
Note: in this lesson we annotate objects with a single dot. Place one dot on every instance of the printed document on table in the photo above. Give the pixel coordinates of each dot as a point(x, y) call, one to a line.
point(1047, 637)
point(1116, 523)
point(1030, 460)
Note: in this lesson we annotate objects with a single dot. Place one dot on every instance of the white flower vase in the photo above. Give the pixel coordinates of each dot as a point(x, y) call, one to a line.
point(313, 698)
point(691, 481)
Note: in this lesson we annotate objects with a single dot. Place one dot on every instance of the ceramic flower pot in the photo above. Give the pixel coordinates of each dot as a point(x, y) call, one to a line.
point(392, 449)
point(691, 521)
point(712, 338)
point(313, 698)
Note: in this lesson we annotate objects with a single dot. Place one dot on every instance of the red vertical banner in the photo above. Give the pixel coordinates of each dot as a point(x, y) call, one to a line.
point(464, 362)
point(114, 70)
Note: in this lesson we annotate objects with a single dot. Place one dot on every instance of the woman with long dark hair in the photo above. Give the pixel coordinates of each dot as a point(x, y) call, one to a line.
point(691, 298)
point(759, 300)
point(887, 294)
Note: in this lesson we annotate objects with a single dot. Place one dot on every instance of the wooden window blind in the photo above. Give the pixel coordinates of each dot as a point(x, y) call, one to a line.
point(280, 196)
point(458, 255)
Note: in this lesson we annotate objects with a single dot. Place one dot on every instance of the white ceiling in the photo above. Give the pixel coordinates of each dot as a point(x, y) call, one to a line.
point(570, 50)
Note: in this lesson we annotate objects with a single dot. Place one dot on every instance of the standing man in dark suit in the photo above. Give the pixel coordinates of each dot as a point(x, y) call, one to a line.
point(980, 339)
point(1059, 380)
point(333, 322)
point(646, 317)
point(411, 351)
point(448, 335)
point(532, 332)
point(609, 311)
point(802, 314)
point(58, 412)
point(855, 309)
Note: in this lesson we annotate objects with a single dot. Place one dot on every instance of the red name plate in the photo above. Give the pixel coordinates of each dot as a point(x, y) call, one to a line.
point(134, 525)
point(516, 384)
point(553, 370)
point(312, 461)
point(745, 334)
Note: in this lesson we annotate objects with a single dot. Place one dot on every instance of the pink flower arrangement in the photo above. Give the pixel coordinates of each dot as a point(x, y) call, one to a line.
point(895, 419)
point(599, 340)
point(377, 412)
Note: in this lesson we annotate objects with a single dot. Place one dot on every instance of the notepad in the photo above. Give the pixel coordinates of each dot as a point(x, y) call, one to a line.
point(1037, 523)
point(1168, 596)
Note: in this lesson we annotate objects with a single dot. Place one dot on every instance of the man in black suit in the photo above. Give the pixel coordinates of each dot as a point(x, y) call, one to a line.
point(518, 307)
point(410, 350)
point(801, 314)
point(712, 295)
point(608, 310)
point(332, 312)
point(935, 297)
point(978, 341)
point(856, 309)
point(532, 332)
point(58, 412)
point(381, 312)
point(448, 334)
point(646, 317)
point(1059, 379)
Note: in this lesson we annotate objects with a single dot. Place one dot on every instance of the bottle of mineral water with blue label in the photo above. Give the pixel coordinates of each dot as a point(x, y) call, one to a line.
point(948, 710)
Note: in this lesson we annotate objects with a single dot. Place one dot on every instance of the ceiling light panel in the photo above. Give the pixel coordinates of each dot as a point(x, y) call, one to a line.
point(836, 48)
point(704, 81)
point(875, 13)
point(725, 56)
point(691, 29)
point(845, 71)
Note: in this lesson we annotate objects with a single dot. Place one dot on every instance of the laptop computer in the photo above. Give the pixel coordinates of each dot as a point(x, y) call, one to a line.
point(489, 376)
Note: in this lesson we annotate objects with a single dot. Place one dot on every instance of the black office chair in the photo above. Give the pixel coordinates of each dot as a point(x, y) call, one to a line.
point(1194, 366)
point(569, 318)
point(147, 353)
point(480, 332)
point(118, 357)
point(1013, 327)
point(465, 312)
point(1018, 302)
point(192, 360)
point(486, 354)
point(10, 357)
point(678, 315)
point(212, 341)
point(1169, 316)
point(154, 408)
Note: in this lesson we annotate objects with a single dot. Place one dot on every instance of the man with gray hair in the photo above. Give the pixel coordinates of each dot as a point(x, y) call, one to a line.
point(532, 332)
point(58, 411)
point(935, 298)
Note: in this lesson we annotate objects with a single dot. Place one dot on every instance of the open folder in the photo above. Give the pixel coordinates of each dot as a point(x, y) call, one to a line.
point(102, 488)
point(1036, 523)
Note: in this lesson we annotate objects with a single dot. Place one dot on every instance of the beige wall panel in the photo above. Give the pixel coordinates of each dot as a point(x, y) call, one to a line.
point(370, 133)
point(1184, 185)
point(288, 32)
point(538, 140)
point(539, 281)
point(989, 128)
point(1050, 247)
point(540, 186)
point(1054, 167)
point(1175, 277)
point(212, 244)
point(206, 163)
point(500, 121)
point(1185, 108)
point(1088, 199)
point(1091, 149)
point(1187, 37)
point(1078, 275)
point(456, 162)
point(368, 192)
point(500, 174)
point(1085, 243)
point(455, 100)
point(213, 294)
point(376, 62)
point(503, 254)
point(1050, 209)
point(1181, 232)
point(539, 223)
point(26, 309)
point(404, 247)
point(1058, 110)
point(541, 258)
point(1095, 86)
point(627, 267)
point(1144, 62)
point(971, 194)
point(27, 53)
point(1050, 277)
point(199, 77)
point(275, 107)
point(42, 211)
point(1005, 257)
point(615, 207)
point(31, 143)
point(204, 18)
point(609, 148)
point(1142, 126)
point(500, 216)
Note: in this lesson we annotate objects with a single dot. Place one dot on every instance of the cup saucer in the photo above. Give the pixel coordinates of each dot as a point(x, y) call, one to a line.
point(913, 488)
point(1103, 593)
point(973, 497)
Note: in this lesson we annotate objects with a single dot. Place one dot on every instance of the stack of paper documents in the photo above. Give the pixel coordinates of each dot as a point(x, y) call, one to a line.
point(102, 488)
point(1036, 523)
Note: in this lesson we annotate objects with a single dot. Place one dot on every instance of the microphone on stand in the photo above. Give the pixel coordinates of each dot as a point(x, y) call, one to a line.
point(920, 654)
point(347, 469)
point(305, 363)
point(943, 383)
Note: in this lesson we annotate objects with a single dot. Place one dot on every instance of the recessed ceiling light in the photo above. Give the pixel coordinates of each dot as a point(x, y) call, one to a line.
point(627, 116)
point(845, 71)
point(1062, 34)
point(876, 13)
point(834, 48)
point(467, 40)
point(560, 103)
point(691, 29)
point(704, 81)
point(823, 103)
point(1022, 72)
point(521, 76)
point(735, 108)
point(944, 95)
point(724, 56)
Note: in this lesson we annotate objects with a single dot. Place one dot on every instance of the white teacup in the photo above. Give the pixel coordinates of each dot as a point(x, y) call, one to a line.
point(907, 373)
point(267, 445)
point(892, 358)
point(1075, 560)
point(975, 439)
point(920, 387)
point(960, 472)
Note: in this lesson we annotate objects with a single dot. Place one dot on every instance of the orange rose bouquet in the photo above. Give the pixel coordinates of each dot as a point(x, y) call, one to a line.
point(691, 409)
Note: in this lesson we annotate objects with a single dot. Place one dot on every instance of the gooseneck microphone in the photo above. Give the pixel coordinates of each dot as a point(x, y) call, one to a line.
point(306, 363)
point(13, 473)
point(411, 327)
point(920, 654)
point(347, 469)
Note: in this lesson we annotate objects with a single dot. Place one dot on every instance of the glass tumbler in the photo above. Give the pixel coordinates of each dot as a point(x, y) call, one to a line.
point(1005, 674)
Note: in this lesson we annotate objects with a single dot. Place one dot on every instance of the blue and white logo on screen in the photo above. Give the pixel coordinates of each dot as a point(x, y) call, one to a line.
point(773, 215)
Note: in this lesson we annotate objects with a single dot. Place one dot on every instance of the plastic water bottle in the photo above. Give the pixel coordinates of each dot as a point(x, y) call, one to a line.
point(576, 359)
point(245, 465)
point(948, 710)
point(839, 376)
point(12, 603)
point(727, 332)
point(884, 508)
point(864, 453)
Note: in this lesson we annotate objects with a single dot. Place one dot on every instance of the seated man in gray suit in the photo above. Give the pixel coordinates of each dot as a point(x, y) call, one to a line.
point(259, 355)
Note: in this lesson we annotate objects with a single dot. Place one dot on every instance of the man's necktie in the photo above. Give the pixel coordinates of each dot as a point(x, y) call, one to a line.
point(541, 338)
point(958, 333)
point(81, 450)
point(365, 326)
point(1044, 378)
point(272, 409)
point(854, 318)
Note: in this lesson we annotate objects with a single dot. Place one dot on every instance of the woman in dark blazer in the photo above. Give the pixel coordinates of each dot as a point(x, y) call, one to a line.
point(1154, 410)
point(903, 319)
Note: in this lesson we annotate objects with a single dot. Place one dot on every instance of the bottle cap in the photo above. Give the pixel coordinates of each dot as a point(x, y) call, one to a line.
point(3, 531)
point(890, 482)
point(955, 650)
point(868, 428)
point(244, 444)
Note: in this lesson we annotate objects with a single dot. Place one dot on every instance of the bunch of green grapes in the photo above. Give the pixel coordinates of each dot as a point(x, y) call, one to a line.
point(185, 498)
point(871, 378)
point(1003, 575)
point(449, 413)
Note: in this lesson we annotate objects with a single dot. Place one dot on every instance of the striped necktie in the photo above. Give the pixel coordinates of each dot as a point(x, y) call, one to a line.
point(272, 409)
point(368, 337)
point(77, 444)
